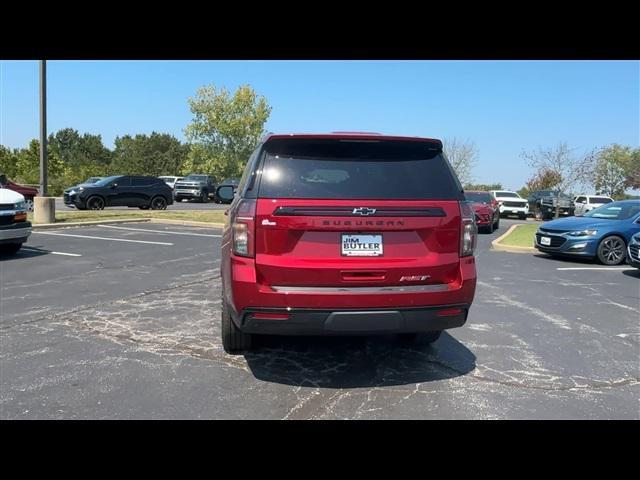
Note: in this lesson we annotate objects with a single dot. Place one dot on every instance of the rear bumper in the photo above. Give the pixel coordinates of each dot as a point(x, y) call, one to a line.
point(352, 322)
point(339, 311)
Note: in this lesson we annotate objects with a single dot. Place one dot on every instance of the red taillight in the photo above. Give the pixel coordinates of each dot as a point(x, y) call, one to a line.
point(243, 227)
point(468, 230)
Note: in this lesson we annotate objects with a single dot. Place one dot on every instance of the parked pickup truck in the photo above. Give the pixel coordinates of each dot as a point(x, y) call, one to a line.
point(198, 187)
point(29, 193)
point(543, 203)
point(14, 227)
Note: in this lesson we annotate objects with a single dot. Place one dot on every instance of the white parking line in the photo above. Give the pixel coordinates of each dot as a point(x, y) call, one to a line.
point(102, 238)
point(593, 268)
point(160, 231)
point(51, 252)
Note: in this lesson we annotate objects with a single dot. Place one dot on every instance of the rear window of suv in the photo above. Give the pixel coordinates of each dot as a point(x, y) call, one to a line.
point(357, 169)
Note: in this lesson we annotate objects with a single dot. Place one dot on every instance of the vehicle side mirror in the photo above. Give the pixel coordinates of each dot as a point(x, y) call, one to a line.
point(114, 185)
point(225, 192)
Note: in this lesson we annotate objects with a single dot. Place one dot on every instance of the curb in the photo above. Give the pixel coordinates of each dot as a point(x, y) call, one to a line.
point(186, 223)
point(495, 245)
point(45, 226)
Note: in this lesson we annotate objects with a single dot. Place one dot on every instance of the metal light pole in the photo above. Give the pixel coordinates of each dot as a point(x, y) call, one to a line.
point(43, 128)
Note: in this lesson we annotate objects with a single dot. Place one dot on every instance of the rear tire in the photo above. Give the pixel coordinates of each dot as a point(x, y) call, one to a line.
point(426, 338)
point(234, 341)
point(522, 216)
point(158, 203)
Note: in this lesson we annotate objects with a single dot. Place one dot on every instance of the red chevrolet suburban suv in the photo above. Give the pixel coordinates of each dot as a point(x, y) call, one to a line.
point(346, 234)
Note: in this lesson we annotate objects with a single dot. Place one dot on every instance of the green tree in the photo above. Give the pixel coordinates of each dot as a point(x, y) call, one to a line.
point(82, 156)
point(155, 154)
point(28, 167)
point(615, 168)
point(8, 162)
point(225, 130)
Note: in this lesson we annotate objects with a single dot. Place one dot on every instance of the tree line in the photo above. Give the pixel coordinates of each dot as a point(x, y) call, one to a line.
point(226, 127)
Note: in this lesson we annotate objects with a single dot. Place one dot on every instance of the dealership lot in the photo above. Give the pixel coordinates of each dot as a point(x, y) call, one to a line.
point(122, 321)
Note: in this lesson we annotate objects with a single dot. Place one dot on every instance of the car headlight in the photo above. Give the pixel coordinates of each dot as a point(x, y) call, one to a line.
point(583, 233)
point(635, 239)
point(21, 206)
point(80, 189)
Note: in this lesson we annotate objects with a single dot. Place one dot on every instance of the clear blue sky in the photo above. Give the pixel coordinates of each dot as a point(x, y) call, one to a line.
point(503, 106)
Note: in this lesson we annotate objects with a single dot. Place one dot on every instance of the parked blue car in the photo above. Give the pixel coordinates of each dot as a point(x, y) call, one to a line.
point(602, 233)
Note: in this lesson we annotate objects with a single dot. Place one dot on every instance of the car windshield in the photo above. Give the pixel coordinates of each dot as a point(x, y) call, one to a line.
point(106, 181)
point(92, 180)
point(480, 197)
point(507, 195)
point(196, 178)
point(615, 211)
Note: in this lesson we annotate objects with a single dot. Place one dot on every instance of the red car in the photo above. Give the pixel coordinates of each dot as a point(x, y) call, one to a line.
point(346, 234)
point(486, 209)
point(27, 192)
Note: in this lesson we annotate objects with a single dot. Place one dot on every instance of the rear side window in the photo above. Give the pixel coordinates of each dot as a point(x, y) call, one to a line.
point(601, 200)
point(357, 169)
point(143, 181)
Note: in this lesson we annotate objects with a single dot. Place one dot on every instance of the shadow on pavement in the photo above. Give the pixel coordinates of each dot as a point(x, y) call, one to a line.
point(349, 362)
point(567, 259)
point(24, 252)
point(632, 272)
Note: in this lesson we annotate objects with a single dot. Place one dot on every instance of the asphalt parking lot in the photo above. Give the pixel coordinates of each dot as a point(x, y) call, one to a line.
point(122, 322)
point(186, 205)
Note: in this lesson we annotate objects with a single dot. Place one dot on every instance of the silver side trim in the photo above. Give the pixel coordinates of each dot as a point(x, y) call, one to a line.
point(363, 290)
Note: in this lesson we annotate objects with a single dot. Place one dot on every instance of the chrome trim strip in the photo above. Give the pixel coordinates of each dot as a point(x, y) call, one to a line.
point(363, 290)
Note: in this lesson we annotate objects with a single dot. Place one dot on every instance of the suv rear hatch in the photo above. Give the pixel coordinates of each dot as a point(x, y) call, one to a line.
point(356, 213)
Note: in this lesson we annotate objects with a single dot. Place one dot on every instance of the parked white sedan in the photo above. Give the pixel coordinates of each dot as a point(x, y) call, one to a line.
point(14, 227)
point(586, 203)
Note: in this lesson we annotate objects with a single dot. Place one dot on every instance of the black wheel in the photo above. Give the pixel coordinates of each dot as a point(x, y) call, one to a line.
point(611, 250)
point(204, 197)
point(496, 225)
point(489, 228)
point(522, 216)
point(158, 203)
point(234, 341)
point(426, 338)
point(95, 203)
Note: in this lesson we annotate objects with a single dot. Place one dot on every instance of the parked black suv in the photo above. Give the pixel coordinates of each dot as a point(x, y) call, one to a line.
point(194, 186)
point(543, 203)
point(227, 182)
point(121, 191)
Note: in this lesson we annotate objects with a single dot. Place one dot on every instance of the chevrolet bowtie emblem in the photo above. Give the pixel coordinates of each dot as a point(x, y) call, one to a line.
point(364, 211)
